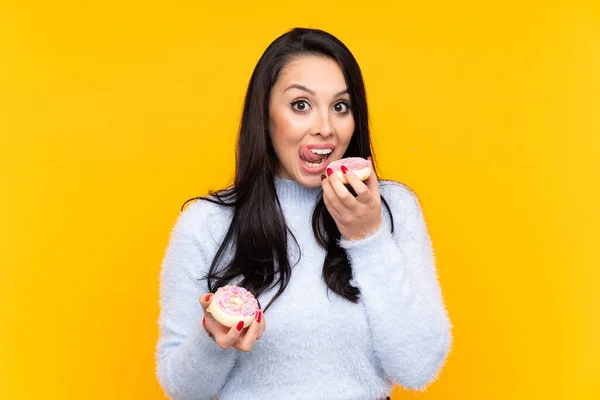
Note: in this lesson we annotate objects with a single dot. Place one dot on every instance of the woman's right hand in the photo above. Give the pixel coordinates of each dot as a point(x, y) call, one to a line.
point(225, 337)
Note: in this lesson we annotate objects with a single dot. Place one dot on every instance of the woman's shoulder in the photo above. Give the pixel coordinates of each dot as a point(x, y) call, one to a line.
point(404, 204)
point(205, 207)
point(202, 215)
point(398, 193)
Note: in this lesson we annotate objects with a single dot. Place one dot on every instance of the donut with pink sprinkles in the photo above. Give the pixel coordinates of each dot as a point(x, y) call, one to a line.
point(232, 304)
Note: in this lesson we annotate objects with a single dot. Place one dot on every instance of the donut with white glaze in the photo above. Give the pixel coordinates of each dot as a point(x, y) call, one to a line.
point(232, 304)
point(358, 165)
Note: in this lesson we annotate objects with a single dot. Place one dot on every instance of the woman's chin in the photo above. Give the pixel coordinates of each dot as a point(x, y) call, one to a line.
point(309, 181)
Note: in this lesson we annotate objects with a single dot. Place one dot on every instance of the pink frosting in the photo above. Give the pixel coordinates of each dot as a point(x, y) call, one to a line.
point(352, 163)
point(225, 297)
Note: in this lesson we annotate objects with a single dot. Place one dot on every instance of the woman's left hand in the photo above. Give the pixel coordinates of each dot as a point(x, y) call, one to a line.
point(356, 217)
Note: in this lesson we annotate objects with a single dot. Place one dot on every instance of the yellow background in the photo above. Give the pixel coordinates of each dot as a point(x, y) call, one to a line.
point(113, 113)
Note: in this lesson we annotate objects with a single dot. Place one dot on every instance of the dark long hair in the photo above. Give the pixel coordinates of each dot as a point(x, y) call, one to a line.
point(258, 233)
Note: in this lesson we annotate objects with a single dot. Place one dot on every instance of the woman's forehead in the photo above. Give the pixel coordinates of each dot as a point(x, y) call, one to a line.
point(321, 75)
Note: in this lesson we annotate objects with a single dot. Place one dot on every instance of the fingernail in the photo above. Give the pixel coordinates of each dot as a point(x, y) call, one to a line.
point(208, 297)
point(323, 177)
point(344, 169)
point(329, 171)
point(258, 316)
point(240, 325)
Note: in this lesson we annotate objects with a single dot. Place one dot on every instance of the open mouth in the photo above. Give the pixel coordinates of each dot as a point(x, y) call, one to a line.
point(315, 158)
point(322, 156)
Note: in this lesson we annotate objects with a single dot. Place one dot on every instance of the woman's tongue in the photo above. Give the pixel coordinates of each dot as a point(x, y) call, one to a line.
point(307, 155)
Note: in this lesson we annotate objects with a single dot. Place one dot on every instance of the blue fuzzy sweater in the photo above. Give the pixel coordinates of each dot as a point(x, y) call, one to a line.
point(317, 345)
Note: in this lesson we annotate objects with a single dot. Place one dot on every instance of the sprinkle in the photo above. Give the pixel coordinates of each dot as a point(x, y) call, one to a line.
point(236, 300)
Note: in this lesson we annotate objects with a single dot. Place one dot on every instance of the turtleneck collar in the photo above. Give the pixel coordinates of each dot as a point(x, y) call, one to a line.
point(290, 191)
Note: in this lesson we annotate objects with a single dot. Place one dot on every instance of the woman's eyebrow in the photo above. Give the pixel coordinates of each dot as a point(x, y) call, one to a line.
point(300, 87)
point(304, 88)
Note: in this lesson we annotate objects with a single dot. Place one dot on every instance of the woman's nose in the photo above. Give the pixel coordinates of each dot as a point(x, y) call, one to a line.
point(324, 126)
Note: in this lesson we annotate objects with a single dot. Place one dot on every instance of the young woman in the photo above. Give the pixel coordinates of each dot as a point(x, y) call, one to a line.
point(345, 273)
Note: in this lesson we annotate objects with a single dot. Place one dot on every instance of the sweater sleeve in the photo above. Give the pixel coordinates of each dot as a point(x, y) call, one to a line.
point(397, 277)
point(190, 365)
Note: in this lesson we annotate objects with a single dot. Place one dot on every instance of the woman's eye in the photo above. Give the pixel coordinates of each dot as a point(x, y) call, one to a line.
point(341, 107)
point(300, 105)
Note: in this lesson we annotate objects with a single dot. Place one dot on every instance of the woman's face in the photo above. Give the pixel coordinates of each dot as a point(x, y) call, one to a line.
point(310, 120)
